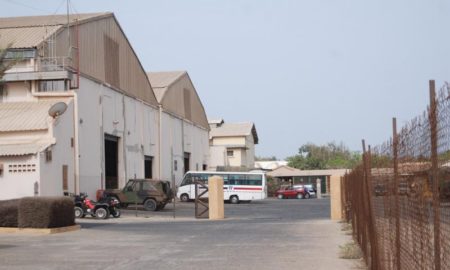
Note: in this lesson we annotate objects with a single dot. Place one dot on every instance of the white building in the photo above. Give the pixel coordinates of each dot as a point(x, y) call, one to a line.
point(232, 145)
point(184, 127)
point(110, 130)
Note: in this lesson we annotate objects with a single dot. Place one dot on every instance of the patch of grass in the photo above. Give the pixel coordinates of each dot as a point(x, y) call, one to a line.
point(350, 251)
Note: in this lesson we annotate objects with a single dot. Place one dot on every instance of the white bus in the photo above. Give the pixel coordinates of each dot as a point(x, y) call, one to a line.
point(237, 186)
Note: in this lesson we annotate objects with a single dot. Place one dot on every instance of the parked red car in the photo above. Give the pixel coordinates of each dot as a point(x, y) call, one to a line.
point(291, 192)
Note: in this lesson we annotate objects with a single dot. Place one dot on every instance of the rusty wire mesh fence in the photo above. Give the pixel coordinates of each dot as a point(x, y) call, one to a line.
point(398, 199)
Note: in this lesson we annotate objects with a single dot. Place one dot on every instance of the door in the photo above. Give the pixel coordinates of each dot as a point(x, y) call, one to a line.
point(148, 167)
point(111, 161)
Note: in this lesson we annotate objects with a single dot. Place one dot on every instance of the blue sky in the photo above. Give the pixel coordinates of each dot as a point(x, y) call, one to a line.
point(303, 71)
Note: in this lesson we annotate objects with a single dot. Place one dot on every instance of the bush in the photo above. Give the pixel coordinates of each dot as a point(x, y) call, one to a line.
point(46, 212)
point(9, 213)
point(350, 250)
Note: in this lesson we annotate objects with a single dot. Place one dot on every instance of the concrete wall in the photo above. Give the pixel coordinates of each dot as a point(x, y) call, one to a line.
point(217, 157)
point(102, 110)
point(51, 172)
point(244, 156)
point(228, 141)
point(250, 153)
point(14, 181)
point(17, 91)
point(177, 137)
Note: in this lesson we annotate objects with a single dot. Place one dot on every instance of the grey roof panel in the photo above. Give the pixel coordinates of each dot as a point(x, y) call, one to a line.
point(234, 129)
point(22, 149)
point(25, 116)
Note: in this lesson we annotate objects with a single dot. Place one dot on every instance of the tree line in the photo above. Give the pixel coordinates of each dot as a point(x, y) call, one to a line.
point(329, 156)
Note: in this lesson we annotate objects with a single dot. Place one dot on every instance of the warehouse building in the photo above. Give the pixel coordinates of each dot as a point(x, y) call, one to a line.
point(80, 112)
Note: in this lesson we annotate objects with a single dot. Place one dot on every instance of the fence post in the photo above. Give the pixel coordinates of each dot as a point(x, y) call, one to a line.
point(373, 237)
point(435, 176)
point(397, 199)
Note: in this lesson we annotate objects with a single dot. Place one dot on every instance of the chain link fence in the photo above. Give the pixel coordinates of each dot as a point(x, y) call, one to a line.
point(398, 199)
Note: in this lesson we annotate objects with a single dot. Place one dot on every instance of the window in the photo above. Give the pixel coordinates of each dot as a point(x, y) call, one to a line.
point(132, 186)
point(48, 155)
point(230, 153)
point(65, 179)
point(187, 180)
point(175, 165)
point(148, 186)
point(52, 86)
point(20, 54)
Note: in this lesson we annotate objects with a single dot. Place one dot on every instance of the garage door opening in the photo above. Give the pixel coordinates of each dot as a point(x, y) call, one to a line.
point(111, 161)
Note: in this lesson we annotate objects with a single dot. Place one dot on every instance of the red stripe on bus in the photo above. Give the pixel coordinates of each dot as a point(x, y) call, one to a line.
point(246, 188)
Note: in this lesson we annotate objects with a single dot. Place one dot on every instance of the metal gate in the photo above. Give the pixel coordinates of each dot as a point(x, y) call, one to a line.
point(201, 203)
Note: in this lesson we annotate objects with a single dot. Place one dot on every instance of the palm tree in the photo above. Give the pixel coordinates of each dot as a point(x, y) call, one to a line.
point(4, 64)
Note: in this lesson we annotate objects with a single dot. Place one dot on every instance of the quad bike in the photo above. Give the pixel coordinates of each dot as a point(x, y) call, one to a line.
point(101, 209)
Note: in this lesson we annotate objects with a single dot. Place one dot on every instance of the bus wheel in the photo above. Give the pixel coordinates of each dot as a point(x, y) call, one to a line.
point(184, 197)
point(234, 199)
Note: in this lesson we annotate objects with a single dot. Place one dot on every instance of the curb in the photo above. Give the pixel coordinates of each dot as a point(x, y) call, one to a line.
point(40, 231)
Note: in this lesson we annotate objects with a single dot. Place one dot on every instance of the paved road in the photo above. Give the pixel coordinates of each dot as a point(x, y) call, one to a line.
point(270, 234)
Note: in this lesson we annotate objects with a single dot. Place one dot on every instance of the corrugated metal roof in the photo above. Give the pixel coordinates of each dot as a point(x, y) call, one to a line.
point(22, 116)
point(29, 32)
point(160, 81)
point(25, 37)
point(234, 129)
point(165, 78)
point(27, 21)
point(22, 149)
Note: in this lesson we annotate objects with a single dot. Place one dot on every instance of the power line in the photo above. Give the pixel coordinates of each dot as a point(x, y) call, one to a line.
point(25, 5)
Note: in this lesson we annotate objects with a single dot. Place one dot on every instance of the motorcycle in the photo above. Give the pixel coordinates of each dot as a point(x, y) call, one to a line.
point(102, 209)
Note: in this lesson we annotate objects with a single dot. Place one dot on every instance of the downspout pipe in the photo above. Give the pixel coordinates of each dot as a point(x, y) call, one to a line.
point(76, 143)
point(160, 142)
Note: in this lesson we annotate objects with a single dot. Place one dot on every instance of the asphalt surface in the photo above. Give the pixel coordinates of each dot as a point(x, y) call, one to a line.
point(269, 234)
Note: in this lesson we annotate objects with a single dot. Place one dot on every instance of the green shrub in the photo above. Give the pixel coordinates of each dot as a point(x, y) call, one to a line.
point(9, 213)
point(46, 212)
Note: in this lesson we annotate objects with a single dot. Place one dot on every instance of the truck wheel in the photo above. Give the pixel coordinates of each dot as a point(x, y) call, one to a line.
point(299, 196)
point(184, 197)
point(150, 205)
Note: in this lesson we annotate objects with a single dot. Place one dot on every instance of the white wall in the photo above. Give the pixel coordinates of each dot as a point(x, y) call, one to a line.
point(104, 110)
point(250, 153)
point(15, 182)
point(171, 147)
point(241, 157)
point(179, 136)
point(51, 173)
point(218, 156)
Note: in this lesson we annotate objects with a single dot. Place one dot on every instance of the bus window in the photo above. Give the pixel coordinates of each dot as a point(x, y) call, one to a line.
point(223, 176)
point(195, 177)
point(187, 180)
point(255, 180)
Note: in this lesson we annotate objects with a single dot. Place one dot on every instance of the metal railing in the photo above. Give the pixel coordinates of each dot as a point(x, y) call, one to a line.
point(53, 63)
point(398, 199)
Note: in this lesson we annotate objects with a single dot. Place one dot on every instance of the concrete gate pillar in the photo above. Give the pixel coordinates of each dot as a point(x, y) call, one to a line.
point(215, 190)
